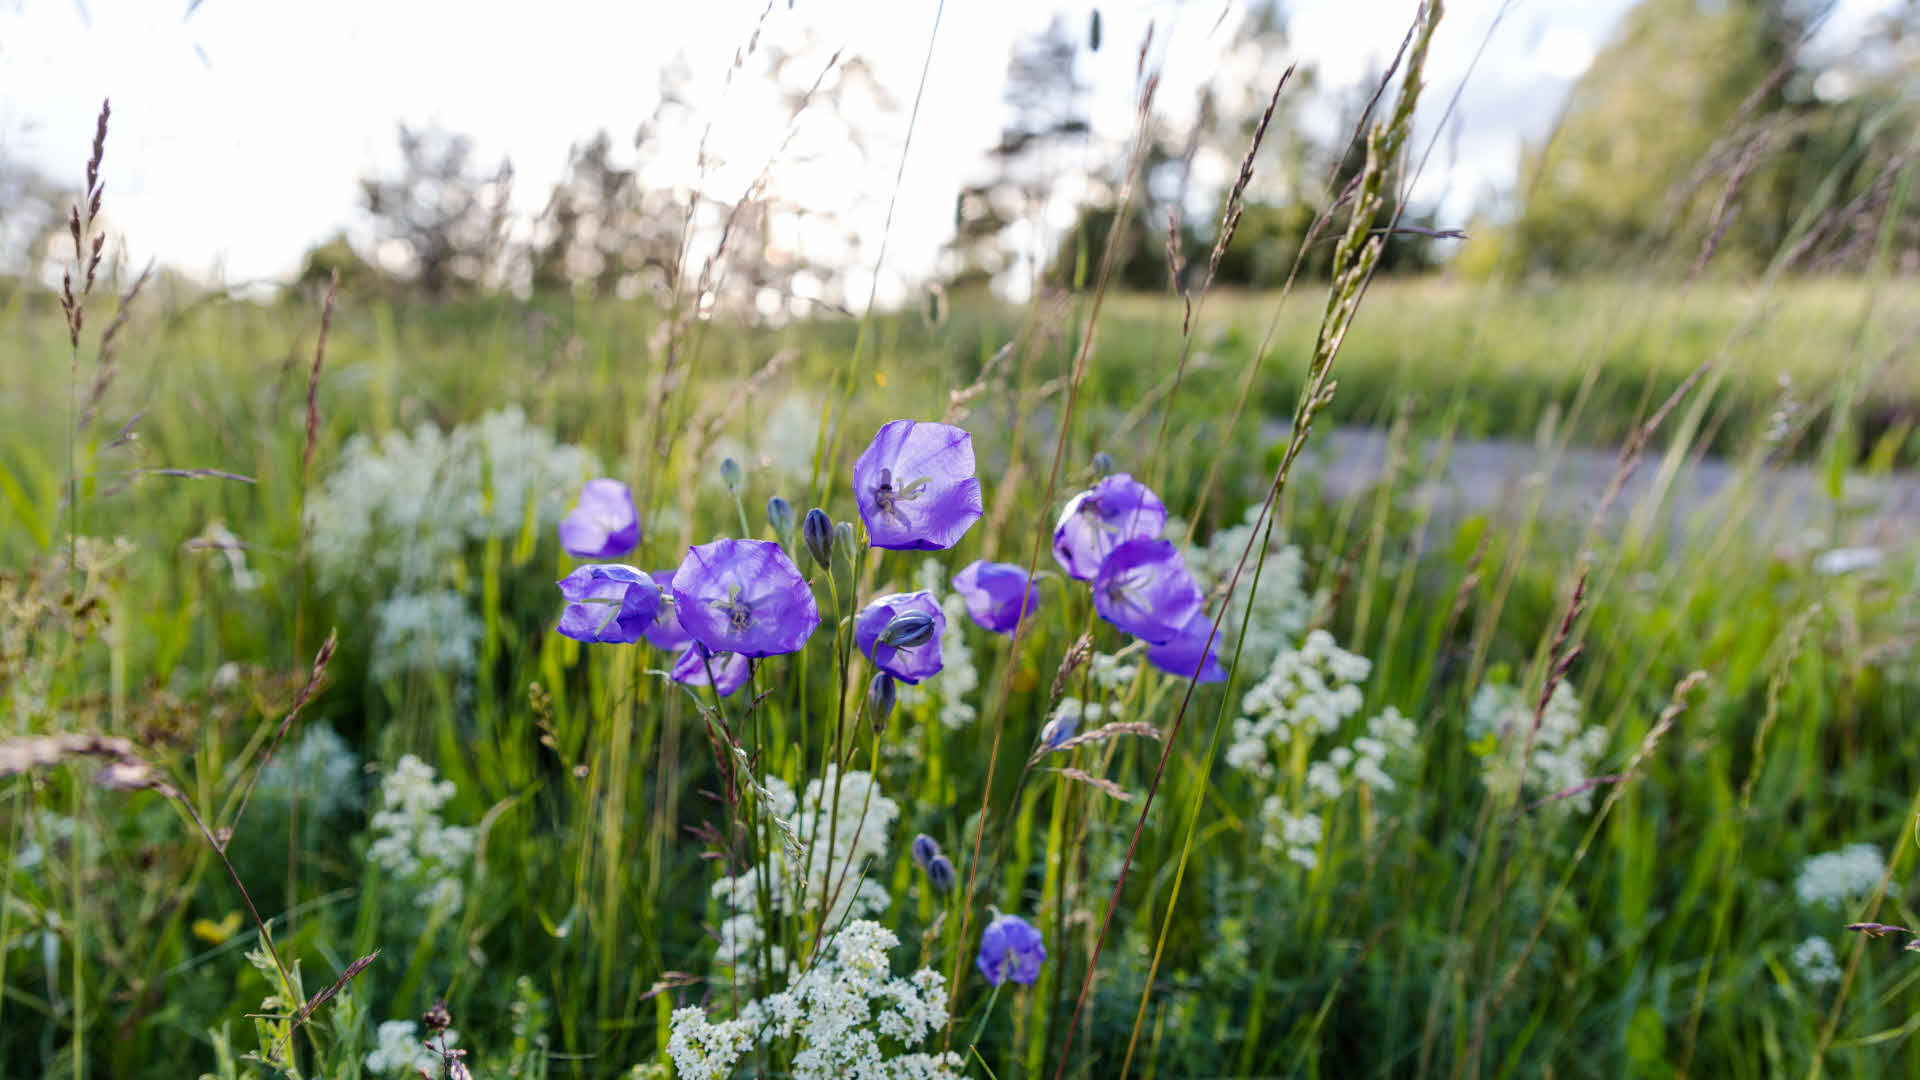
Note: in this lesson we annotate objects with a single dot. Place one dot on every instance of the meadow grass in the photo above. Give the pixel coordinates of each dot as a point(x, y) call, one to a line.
point(1596, 853)
point(1668, 941)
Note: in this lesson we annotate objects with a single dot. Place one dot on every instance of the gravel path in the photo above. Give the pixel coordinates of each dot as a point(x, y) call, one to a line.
point(1497, 476)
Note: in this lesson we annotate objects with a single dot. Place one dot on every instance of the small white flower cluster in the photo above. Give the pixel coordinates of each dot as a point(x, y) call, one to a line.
point(799, 875)
point(412, 844)
point(1389, 737)
point(1814, 961)
point(1281, 607)
point(845, 1012)
point(1309, 691)
point(394, 515)
point(321, 769)
point(1298, 835)
point(1563, 752)
point(421, 632)
point(1840, 877)
point(396, 512)
point(959, 678)
point(399, 1050)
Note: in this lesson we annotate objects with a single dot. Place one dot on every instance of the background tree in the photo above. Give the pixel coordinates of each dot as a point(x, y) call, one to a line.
point(1710, 130)
point(1046, 100)
point(442, 223)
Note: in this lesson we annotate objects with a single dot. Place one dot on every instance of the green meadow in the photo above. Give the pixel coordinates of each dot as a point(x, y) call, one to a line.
point(1593, 778)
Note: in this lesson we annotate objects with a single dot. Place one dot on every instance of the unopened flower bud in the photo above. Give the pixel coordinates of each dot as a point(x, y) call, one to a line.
point(880, 698)
point(925, 850)
point(780, 516)
point(940, 872)
point(1103, 464)
point(730, 474)
point(907, 630)
point(1058, 730)
point(843, 538)
point(817, 531)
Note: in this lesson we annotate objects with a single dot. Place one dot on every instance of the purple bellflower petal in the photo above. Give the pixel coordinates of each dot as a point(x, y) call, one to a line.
point(997, 594)
point(608, 603)
point(729, 670)
point(1117, 509)
point(665, 632)
point(744, 596)
point(916, 487)
point(1187, 655)
point(1145, 589)
point(909, 665)
point(603, 524)
point(1010, 948)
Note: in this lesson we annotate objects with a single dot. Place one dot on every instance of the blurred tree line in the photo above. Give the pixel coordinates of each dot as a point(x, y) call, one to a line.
point(1706, 131)
point(1188, 166)
point(1725, 131)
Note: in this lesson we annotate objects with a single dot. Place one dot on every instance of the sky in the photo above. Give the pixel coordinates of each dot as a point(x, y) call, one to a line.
point(239, 130)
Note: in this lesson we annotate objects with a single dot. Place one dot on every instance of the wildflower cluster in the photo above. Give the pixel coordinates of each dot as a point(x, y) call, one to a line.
point(396, 516)
point(410, 842)
point(1836, 878)
point(1563, 751)
point(732, 603)
point(1110, 537)
point(1307, 692)
point(1296, 829)
point(846, 1015)
point(802, 875)
point(1814, 961)
point(1276, 610)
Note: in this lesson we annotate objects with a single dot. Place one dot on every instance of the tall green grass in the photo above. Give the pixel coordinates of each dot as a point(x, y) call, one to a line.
point(1453, 925)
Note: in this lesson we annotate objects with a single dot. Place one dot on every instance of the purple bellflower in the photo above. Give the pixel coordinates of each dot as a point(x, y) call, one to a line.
point(744, 596)
point(890, 620)
point(729, 670)
point(915, 486)
point(1144, 588)
point(665, 632)
point(998, 594)
point(603, 524)
point(1011, 949)
point(608, 603)
point(1094, 522)
point(1188, 655)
